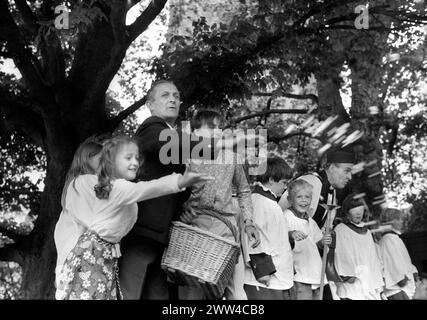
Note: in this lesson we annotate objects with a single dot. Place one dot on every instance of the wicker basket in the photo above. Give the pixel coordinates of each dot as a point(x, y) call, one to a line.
point(196, 257)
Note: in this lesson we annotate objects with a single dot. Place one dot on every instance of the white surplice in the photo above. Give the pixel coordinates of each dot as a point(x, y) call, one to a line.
point(397, 265)
point(356, 256)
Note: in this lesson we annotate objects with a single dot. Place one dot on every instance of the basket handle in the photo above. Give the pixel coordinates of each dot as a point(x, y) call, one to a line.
point(210, 212)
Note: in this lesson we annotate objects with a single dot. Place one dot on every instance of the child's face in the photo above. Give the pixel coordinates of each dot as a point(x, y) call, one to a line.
point(208, 129)
point(301, 199)
point(278, 187)
point(355, 215)
point(94, 162)
point(126, 163)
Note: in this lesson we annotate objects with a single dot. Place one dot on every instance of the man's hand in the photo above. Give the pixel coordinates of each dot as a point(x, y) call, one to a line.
point(188, 215)
point(265, 280)
point(253, 234)
point(326, 240)
point(297, 235)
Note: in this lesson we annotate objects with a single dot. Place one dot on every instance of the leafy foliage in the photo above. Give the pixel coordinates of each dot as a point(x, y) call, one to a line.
point(281, 46)
point(19, 156)
point(10, 280)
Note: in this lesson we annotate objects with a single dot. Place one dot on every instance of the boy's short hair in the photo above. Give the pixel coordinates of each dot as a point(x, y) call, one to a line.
point(277, 169)
point(205, 116)
point(296, 185)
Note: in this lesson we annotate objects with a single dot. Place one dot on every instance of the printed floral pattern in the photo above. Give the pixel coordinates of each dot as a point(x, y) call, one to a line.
point(90, 271)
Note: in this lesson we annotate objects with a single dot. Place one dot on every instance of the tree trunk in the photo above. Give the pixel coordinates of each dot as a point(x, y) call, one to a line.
point(39, 249)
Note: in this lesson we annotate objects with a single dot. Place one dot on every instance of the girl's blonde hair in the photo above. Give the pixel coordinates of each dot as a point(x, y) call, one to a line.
point(296, 185)
point(106, 164)
point(80, 164)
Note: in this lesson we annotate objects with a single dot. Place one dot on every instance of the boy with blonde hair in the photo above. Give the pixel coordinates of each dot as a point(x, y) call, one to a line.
point(307, 238)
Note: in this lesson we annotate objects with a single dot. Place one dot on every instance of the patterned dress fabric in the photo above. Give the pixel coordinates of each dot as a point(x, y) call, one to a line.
point(228, 171)
point(90, 271)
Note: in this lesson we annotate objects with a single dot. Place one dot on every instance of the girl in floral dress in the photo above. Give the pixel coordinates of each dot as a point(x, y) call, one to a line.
point(109, 200)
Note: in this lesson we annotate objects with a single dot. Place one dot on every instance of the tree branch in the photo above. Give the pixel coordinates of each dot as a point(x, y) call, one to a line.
point(277, 139)
point(401, 16)
point(265, 112)
point(311, 96)
point(16, 114)
point(53, 61)
point(27, 15)
point(24, 60)
point(118, 21)
point(319, 8)
point(115, 121)
point(131, 3)
point(145, 19)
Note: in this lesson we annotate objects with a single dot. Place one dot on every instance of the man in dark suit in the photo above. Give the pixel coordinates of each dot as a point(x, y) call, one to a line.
point(334, 178)
point(141, 276)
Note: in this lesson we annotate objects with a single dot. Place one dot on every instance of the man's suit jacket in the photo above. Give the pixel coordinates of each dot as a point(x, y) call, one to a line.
point(155, 215)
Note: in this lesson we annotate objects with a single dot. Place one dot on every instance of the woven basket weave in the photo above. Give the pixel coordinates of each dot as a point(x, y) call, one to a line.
point(196, 257)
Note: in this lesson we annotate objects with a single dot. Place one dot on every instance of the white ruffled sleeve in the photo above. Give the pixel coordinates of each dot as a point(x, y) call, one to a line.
point(126, 192)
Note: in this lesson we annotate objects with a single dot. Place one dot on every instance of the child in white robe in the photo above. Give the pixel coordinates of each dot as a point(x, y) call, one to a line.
point(399, 272)
point(356, 258)
point(307, 239)
point(269, 274)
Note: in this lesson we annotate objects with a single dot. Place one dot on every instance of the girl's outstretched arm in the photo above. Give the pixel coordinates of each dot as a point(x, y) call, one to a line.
point(127, 192)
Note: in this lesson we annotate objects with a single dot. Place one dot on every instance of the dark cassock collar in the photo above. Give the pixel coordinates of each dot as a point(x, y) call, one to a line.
point(359, 230)
point(326, 186)
point(262, 190)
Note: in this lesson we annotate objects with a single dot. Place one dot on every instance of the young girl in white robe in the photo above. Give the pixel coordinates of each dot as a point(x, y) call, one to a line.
point(109, 203)
point(356, 258)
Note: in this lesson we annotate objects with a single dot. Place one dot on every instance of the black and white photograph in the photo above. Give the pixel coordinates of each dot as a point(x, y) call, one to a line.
point(229, 152)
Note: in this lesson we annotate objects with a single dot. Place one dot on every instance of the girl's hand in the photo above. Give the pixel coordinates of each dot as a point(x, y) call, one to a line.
point(298, 235)
point(189, 178)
